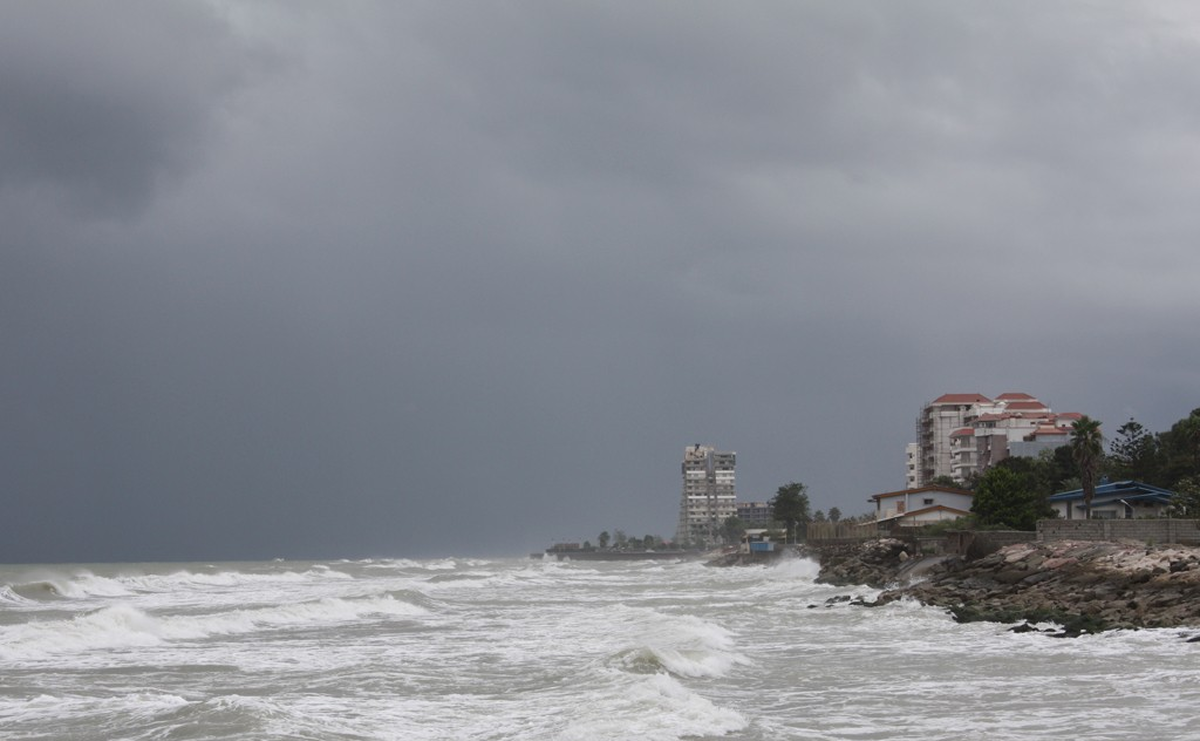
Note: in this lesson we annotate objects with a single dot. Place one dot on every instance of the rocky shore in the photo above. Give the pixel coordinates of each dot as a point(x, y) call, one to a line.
point(1083, 587)
point(873, 563)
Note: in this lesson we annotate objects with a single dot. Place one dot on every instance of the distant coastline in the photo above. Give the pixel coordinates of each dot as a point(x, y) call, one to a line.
point(593, 554)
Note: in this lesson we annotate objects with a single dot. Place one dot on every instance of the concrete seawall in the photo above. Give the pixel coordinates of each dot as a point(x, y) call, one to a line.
point(1157, 531)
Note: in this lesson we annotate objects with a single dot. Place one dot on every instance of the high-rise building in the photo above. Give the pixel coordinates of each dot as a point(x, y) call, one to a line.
point(961, 435)
point(938, 421)
point(709, 495)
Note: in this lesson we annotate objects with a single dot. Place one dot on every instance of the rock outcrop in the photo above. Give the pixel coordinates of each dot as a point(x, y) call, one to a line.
point(875, 563)
point(1082, 586)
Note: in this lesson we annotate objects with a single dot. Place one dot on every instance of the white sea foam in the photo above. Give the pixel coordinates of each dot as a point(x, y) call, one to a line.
point(25, 715)
point(112, 627)
point(61, 586)
point(126, 626)
point(48, 585)
point(86, 584)
point(804, 569)
point(445, 564)
point(392, 564)
point(216, 579)
point(545, 651)
point(682, 645)
point(8, 595)
point(655, 708)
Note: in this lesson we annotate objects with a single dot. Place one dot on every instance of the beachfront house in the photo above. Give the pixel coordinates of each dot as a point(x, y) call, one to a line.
point(1121, 500)
point(921, 506)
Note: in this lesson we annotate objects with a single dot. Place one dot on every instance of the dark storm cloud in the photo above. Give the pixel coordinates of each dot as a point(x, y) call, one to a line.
point(100, 102)
point(413, 278)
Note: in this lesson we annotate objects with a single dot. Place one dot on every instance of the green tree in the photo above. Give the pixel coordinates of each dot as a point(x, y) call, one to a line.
point(1087, 447)
point(1065, 471)
point(1133, 454)
point(733, 528)
point(1046, 473)
point(1180, 450)
point(835, 514)
point(1186, 502)
point(1007, 498)
point(1070, 484)
point(604, 538)
point(790, 506)
point(945, 481)
point(620, 539)
point(819, 516)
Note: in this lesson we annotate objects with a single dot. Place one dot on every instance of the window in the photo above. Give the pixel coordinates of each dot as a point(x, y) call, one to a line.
point(928, 502)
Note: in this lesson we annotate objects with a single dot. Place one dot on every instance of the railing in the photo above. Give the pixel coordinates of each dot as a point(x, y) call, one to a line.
point(842, 530)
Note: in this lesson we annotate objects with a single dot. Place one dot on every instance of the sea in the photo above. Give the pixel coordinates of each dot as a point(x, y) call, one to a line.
point(535, 649)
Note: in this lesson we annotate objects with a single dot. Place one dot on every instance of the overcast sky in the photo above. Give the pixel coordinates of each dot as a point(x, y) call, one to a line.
point(318, 279)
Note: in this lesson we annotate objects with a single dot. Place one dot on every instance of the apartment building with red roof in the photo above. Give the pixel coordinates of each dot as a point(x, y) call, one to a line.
point(963, 434)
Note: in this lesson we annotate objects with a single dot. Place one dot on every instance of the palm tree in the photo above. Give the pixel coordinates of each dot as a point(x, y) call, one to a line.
point(1086, 449)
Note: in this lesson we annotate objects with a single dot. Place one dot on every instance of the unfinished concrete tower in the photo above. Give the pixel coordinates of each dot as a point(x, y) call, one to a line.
point(709, 496)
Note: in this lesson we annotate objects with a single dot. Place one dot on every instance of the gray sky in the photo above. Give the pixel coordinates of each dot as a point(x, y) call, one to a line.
point(424, 278)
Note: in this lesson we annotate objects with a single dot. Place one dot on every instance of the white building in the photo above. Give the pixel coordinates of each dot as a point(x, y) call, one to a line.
point(960, 435)
point(921, 506)
point(937, 423)
point(709, 494)
point(912, 454)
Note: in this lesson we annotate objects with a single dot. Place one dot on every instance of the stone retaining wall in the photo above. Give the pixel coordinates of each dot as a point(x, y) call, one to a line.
point(1185, 532)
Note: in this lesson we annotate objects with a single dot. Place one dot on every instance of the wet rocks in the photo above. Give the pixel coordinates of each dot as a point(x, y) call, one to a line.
point(875, 563)
point(1083, 586)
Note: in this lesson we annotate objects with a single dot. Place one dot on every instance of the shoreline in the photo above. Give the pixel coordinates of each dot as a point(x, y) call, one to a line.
point(1084, 586)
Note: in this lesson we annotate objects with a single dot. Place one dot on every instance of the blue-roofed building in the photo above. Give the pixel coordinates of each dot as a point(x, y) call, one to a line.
point(1121, 500)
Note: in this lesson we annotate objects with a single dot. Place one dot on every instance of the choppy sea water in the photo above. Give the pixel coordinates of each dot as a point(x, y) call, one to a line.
point(531, 649)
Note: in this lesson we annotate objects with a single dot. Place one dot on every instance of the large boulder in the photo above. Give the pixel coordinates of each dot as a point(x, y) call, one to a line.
point(874, 563)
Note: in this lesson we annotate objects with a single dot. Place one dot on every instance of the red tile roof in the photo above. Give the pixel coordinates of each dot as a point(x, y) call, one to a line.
point(1026, 405)
point(1015, 396)
point(961, 399)
point(963, 431)
point(1051, 430)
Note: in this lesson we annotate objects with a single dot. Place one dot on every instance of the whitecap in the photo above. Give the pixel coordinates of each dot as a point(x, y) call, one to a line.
point(111, 627)
point(654, 708)
point(9, 596)
point(682, 645)
point(123, 625)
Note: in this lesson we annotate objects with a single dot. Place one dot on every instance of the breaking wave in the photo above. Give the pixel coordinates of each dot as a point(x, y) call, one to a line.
point(654, 708)
point(123, 625)
point(48, 585)
point(682, 646)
